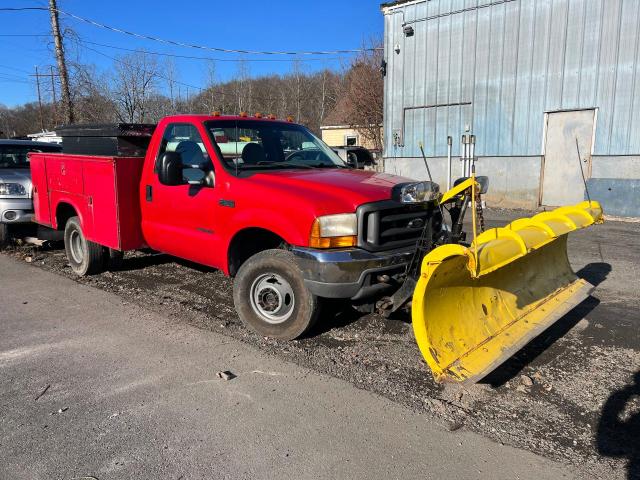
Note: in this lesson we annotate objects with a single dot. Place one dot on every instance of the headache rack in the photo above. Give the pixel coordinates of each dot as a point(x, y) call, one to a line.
point(110, 139)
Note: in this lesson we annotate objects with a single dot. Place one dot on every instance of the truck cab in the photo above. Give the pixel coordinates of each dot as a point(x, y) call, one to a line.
point(263, 200)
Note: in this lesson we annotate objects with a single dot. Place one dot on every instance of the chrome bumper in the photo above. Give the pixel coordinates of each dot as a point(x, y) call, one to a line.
point(16, 210)
point(348, 273)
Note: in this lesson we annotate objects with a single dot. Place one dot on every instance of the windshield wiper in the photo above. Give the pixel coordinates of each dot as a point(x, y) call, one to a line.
point(282, 164)
point(329, 165)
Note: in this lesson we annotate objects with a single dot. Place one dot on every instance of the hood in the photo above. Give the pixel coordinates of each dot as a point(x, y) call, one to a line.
point(334, 189)
point(17, 175)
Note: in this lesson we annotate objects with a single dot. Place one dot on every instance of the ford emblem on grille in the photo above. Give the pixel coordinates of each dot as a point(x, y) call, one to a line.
point(416, 223)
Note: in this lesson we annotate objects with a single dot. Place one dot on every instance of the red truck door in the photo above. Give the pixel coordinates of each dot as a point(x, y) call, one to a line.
point(181, 220)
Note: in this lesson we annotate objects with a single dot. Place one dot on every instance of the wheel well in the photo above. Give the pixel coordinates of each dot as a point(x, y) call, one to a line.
point(64, 212)
point(247, 243)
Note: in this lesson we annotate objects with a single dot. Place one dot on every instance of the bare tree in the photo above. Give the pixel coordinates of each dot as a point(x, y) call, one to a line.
point(361, 99)
point(91, 95)
point(171, 74)
point(209, 99)
point(136, 78)
point(138, 90)
point(297, 87)
point(241, 84)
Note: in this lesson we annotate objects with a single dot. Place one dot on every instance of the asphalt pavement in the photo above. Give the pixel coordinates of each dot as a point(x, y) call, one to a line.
point(92, 385)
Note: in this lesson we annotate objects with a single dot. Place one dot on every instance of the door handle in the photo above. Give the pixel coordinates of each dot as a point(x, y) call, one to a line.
point(149, 193)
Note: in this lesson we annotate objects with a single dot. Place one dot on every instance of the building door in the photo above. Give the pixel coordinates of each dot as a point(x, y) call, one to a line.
point(562, 182)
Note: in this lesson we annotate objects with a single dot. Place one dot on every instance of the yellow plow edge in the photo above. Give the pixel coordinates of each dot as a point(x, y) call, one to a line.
point(470, 317)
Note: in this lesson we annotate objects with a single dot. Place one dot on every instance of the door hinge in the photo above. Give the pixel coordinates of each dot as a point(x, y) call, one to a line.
point(149, 193)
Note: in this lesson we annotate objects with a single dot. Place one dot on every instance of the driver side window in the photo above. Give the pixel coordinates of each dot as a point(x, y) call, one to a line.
point(185, 140)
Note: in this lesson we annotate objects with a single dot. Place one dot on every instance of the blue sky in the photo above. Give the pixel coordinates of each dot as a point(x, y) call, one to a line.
point(276, 25)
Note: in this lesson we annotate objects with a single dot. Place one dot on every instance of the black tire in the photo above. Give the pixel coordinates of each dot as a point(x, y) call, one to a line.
point(85, 257)
point(261, 279)
point(4, 235)
point(113, 259)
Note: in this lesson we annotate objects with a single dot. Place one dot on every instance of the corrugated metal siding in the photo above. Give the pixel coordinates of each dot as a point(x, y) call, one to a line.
point(513, 61)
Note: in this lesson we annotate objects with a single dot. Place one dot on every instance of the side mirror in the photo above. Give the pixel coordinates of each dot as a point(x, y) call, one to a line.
point(170, 169)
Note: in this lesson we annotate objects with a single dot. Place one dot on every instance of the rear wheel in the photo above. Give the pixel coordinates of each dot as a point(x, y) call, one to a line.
point(271, 298)
point(85, 257)
point(4, 235)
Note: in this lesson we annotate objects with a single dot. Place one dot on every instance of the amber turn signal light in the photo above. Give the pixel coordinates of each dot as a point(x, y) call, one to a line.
point(318, 241)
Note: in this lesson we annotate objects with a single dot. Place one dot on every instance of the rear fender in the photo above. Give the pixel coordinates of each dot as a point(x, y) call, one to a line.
point(75, 202)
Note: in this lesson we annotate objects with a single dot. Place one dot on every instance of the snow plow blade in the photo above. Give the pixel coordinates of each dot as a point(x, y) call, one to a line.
point(469, 317)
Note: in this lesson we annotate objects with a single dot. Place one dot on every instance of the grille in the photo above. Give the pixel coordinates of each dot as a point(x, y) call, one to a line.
point(387, 225)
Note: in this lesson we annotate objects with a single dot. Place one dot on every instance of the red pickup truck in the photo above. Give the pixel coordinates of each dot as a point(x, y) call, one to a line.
point(263, 200)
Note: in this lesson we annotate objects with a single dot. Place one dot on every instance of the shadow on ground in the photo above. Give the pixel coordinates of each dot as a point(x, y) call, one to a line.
point(618, 434)
point(594, 273)
point(335, 314)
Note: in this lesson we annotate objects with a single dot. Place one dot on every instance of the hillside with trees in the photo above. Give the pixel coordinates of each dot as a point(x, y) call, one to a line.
point(141, 88)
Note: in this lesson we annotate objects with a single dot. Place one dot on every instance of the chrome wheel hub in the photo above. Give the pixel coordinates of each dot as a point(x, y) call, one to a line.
point(76, 246)
point(272, 298)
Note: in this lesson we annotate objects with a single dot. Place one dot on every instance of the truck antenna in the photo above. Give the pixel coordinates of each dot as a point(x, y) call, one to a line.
point(584, 180)
point(426, 164)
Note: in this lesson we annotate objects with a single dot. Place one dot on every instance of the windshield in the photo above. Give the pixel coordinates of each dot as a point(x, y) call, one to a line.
point(260, 145)
point(15, 156)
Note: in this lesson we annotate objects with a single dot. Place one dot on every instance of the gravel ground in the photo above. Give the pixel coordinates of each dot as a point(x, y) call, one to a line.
point(561, 396)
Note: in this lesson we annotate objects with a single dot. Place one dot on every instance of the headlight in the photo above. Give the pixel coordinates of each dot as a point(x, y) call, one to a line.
point(12, 189)
point(417, 192)
point(332, 231)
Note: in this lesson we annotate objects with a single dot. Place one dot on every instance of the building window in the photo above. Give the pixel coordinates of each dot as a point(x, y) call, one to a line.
point(350, 140)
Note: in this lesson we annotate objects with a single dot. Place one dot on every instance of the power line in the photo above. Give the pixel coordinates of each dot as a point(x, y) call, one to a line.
point(14, 68)
point(12, 75)
point(7, 78)
point(201, 89)
point(25, 35)
point(188, 45)
point(192, 57)
point(157, 74)
point(20, 9)
point(202, 47)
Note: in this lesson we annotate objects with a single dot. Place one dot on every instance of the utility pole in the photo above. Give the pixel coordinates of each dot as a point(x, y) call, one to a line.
point(53, 92)
point(39, 99)
point(67, 105)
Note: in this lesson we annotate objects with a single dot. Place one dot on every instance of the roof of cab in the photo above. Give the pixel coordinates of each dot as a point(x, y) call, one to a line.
point(204, 117)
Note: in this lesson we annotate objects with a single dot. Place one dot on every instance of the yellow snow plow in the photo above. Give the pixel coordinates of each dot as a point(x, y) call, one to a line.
point(474, 306)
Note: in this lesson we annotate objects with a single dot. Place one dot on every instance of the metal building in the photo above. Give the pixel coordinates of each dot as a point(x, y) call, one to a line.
point(527, 78)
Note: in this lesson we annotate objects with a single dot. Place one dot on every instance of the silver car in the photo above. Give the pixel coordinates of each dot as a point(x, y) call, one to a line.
point(16, 205)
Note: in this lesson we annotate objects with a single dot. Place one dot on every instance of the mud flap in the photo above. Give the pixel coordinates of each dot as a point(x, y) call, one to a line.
point(470, 316)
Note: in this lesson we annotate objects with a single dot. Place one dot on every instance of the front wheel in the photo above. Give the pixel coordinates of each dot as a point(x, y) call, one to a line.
point(85, 257)
point(271, 298)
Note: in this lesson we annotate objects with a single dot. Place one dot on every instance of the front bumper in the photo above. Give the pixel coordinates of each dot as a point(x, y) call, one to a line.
point(16, 210)
point(349, 273)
